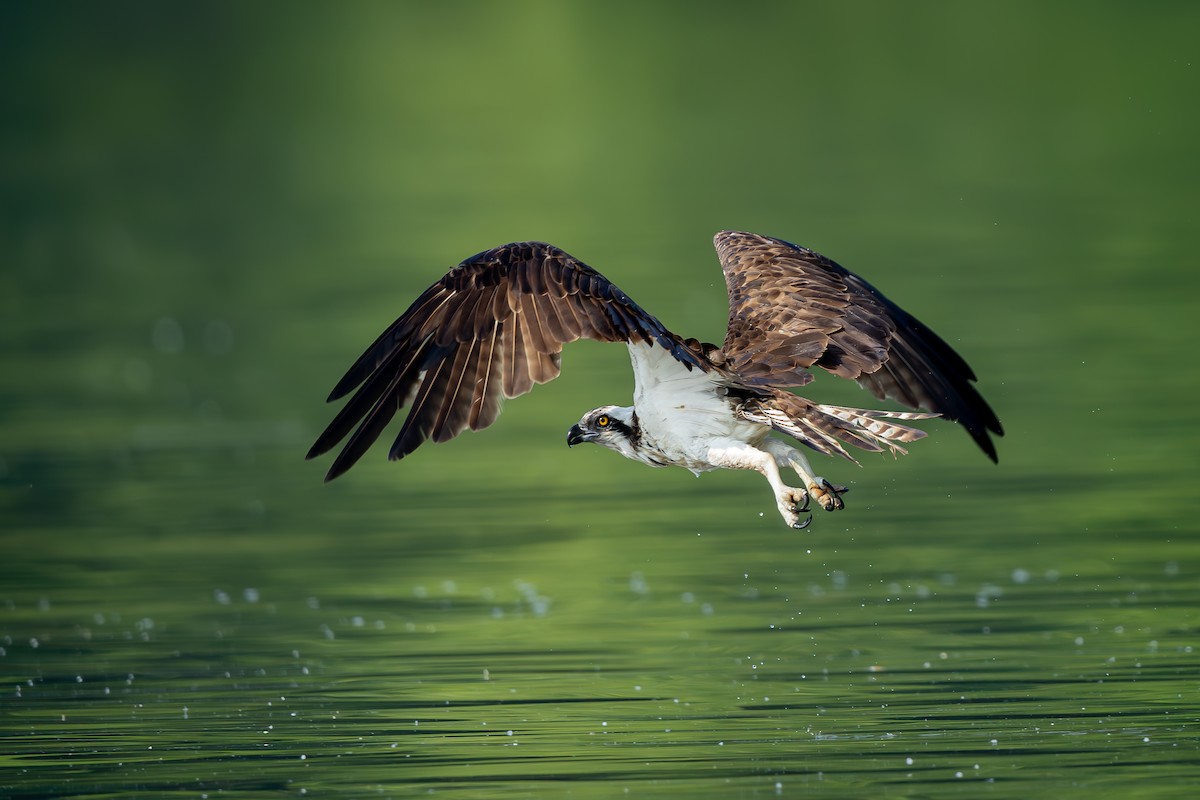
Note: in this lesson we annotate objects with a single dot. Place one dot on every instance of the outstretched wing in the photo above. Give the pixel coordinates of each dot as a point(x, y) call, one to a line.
point(492, 327)
point(791, 308)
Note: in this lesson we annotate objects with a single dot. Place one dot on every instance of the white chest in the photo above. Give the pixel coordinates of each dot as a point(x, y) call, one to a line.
point(681, 412)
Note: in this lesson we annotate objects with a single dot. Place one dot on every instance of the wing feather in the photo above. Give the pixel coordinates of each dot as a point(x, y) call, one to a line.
point(401, 331)
point(452, 414)
point(396, 377)
point(517, 381)
point(532, 326)
point(399, 385)
point(791, 308)
point(485, 401)
point(547, 309)
point(418, 425)
point(490, 328)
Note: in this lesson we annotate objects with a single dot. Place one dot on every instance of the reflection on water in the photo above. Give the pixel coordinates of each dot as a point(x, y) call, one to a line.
point(204, 224)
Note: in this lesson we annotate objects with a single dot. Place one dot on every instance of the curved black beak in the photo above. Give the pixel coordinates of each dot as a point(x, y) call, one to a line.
point(576, 435)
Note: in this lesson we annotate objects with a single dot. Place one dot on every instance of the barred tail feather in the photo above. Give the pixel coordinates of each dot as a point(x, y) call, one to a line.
point(872, 425)
point(827, 428)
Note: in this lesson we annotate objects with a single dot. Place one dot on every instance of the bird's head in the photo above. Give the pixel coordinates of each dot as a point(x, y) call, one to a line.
point(611, 426)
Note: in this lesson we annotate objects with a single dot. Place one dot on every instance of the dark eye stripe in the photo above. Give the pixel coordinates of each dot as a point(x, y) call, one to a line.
point(615, 424)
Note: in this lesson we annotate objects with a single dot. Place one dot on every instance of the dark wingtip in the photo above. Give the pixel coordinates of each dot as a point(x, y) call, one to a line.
point(346, 385)
point(346, 459)
point(320, 447)
point(992, 423)
point(338, 468)
point(986, 444)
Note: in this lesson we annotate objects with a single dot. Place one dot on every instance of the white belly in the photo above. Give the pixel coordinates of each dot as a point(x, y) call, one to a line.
point(681, 412)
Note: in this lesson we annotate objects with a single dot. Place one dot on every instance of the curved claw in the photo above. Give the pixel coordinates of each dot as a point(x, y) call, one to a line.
point(801, 509)
point(828, 495)
point(802, 525)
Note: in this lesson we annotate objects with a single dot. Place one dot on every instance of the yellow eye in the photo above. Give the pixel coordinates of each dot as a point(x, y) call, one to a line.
point(602, 421)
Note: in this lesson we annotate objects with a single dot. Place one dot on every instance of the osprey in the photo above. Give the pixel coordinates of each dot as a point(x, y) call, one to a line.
point(495, 325)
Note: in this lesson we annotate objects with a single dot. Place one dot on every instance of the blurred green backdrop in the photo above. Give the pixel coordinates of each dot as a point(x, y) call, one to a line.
point(280, 180)
point(208, 209)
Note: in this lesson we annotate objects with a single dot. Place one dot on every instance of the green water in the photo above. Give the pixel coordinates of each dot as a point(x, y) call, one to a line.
point(209, 210)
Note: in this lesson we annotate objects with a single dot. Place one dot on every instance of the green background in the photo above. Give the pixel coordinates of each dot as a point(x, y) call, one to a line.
point(208, 209)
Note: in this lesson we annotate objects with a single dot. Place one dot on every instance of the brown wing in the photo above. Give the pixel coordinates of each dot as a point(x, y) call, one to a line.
point(492, 327)
point(791, 308)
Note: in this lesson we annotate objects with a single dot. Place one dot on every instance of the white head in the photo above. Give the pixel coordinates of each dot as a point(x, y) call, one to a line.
point(614, 427)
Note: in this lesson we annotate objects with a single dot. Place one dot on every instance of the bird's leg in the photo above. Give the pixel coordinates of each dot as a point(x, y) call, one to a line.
point(790, 501)
point(821, 490)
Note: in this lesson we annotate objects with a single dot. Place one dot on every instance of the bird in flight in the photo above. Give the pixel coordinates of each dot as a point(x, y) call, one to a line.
point(495, 325)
